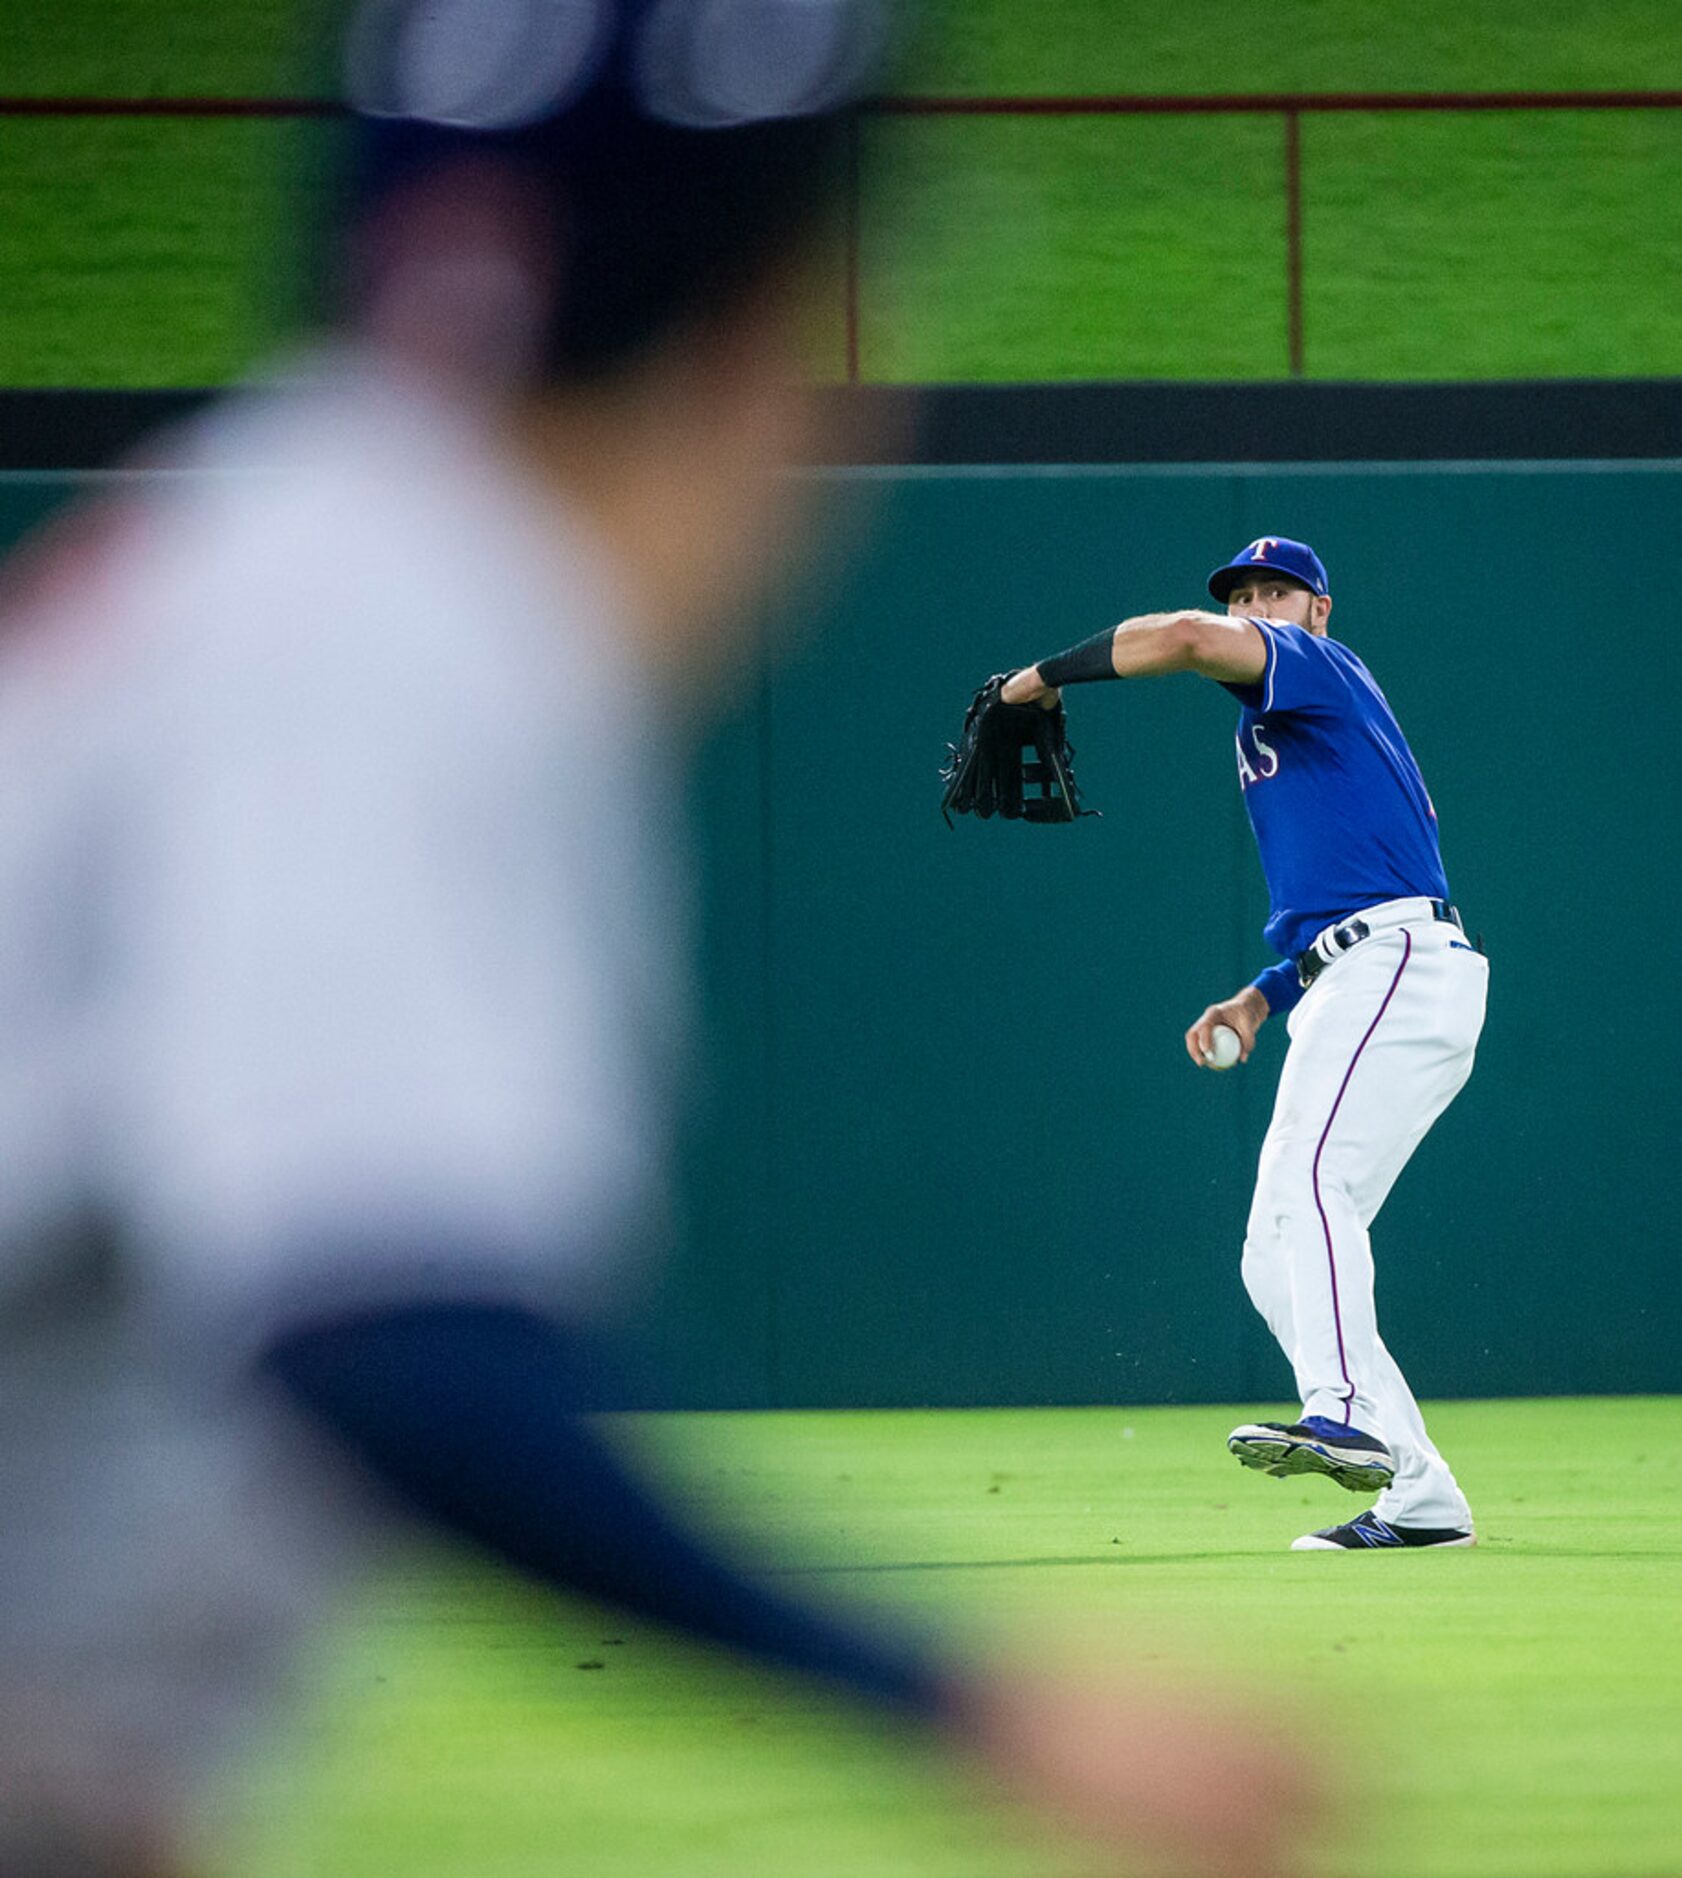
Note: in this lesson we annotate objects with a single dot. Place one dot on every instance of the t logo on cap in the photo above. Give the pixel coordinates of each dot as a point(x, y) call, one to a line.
point(1259, 550)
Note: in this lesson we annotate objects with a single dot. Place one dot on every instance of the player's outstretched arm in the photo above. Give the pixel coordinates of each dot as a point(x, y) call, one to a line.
point(471, 1413)
point(1245, 1012)
point(476, 1416)
point(1149, 646)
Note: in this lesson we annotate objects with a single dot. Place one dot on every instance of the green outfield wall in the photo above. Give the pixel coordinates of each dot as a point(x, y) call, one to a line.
point(947, 1148)
point(955, 1152)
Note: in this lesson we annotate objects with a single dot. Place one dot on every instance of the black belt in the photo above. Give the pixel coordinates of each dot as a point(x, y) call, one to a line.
point(1311, 964)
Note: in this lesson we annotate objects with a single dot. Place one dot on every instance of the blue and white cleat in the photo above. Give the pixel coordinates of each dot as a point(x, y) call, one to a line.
point(1366, 1532)
point(1315, 1445)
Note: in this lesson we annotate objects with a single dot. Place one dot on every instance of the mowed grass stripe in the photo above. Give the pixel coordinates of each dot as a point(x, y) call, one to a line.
point(247, 47)
point(164, 48)
point(1517, 1708)
point(144, 252)
point(1493, 245)
point(1204, 46)
point(1001, 248)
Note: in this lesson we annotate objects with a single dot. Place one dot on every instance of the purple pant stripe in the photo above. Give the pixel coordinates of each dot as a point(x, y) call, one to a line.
point(1325, 1135)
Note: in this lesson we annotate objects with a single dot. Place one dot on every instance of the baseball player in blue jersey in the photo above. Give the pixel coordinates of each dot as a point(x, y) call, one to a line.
point(1384, 1000)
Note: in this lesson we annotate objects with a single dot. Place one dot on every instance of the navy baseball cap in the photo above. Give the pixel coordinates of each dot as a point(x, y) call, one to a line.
point(672, 145)
point(1295, 558)
point(557, 79)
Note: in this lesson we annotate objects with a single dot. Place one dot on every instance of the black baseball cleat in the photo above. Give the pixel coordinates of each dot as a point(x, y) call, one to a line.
point(1366, 1532)
point(1315, 1445)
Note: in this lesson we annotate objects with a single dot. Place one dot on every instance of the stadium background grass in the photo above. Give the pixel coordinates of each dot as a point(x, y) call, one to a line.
point(1509, 244)
point(1519, 1703)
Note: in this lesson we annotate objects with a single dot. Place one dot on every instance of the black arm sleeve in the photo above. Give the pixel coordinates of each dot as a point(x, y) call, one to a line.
point(1083, 664)
point(469, 1413)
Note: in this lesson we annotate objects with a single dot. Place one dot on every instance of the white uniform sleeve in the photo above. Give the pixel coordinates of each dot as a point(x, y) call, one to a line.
point(385, 922)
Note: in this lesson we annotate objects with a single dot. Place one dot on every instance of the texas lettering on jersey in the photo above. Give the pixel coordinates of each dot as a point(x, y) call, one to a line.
point(1258, 763)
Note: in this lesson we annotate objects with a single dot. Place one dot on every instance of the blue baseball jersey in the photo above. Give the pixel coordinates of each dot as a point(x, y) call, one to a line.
point(1340, 811)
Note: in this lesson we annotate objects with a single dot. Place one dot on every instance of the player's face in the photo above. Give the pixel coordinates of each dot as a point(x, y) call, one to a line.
point(1274, 596)
point(680, 462)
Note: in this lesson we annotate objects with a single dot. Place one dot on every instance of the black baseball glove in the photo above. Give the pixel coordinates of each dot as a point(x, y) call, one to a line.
point(1012, 760)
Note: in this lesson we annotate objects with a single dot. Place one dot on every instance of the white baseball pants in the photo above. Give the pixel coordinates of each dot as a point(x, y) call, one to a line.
point(1380, 1045)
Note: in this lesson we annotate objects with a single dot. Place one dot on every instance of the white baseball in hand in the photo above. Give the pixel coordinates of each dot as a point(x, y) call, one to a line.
point(1224, 1047)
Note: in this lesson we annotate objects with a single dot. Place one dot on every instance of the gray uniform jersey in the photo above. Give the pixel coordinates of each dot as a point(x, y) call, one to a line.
point(336, 965)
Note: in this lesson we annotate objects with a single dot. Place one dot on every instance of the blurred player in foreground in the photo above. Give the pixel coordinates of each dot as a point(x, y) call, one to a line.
point(339, 994)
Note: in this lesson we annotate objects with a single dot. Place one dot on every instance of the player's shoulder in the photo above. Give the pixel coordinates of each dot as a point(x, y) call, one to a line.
point(1342, 652)
point(347, 525)
point(1347, 660)
point(1312, 645)
point(1307, 672)
point(1288, 632)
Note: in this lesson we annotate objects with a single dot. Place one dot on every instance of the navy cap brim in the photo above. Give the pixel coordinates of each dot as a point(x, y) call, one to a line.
point(1224, 579)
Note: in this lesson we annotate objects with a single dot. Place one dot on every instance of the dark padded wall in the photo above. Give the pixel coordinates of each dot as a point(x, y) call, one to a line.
point(949, 1148)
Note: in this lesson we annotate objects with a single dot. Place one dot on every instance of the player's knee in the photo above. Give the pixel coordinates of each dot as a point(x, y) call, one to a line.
point(1285, 1192)
point(1256, 1263)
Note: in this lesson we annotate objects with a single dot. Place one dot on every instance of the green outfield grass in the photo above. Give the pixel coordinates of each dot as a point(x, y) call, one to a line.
point(1459, 246)
point(1509, 1712)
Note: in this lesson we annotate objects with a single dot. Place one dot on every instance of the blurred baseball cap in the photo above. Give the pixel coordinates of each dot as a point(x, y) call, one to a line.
point(682, 141)
point(1276, 553)
point(548, 74)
